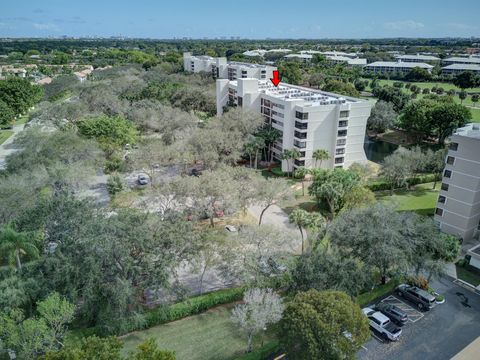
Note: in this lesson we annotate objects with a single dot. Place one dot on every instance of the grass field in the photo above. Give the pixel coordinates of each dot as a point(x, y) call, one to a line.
point(4, 135)
point(21, 120)
point(423, 85)
point(468, 274)
point(208, 336)
point(421, 198)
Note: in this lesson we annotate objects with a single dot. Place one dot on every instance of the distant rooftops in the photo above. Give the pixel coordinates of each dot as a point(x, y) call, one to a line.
point(400, 64)
point(262, 52)
point(470, 130)
point(250, 65)
point(457, 59)
point(470, 67)
point(417, 57)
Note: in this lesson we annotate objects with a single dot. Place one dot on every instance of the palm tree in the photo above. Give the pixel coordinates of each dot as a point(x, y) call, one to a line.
point(301, 172)
point(270, 135)
point(320, 155)
point(303, 219)
point(287, 155)
point(17, 244)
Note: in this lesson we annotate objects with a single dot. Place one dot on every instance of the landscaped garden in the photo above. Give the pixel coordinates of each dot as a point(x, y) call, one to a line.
point(4, 135)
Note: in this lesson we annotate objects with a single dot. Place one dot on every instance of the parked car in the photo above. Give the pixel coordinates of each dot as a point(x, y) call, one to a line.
point(231, 228)
point(419, 297)
point(143, 179)
point(395, 314)
point(382, 324)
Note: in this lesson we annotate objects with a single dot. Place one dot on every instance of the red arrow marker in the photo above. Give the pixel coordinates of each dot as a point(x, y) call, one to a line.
point(275, 80)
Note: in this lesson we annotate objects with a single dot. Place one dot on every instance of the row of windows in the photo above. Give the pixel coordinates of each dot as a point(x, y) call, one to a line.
point(342, 132)
point(340, 151)
point(300, 135)
point(344, 113)
point(343, 123)
point(301, 116)
point(341, 142)
point(301, 126)
point(300, 144)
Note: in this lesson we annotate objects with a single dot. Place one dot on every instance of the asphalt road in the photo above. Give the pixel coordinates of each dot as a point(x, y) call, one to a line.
point(440, 334)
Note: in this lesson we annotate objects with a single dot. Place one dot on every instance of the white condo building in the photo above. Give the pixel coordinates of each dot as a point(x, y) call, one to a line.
point(458, 207)
point(221, 69)
point(308, 119)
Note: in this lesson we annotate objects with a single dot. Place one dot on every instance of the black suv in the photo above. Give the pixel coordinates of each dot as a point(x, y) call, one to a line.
point(395, 314)
point(419, 297)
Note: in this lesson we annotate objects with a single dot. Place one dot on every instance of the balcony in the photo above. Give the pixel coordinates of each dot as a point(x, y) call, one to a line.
point(299, 144)
point(301, 126)
point(300, 135)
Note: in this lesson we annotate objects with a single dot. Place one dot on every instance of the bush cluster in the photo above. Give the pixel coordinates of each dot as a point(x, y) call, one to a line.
point(381, 185)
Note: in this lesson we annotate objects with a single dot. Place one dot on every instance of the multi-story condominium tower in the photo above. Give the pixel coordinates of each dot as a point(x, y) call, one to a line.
point(221, 69)
point(308, 119)
point(458, 207)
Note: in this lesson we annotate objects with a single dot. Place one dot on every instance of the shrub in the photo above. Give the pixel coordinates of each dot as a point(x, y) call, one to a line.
point(277, 171)
point(114, 164)
point(418, 281)
point(192, 306)
point(381, 185)
point(114, 184)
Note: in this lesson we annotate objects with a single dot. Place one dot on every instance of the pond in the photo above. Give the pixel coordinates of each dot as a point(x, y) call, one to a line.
point(377, 150)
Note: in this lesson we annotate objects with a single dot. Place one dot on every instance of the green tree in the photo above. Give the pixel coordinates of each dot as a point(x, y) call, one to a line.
point(269, 135)
point(323, 325)
point(89, 348)
point(340, 87)
point(418, 74)
point(7, 115)
point(446, 117)
point(393, 95)
point(17, 244)
point(271, 191)
point(358, 196)
point(465, 80)
point(475, 98)
point(397, 168)
point(300, 173)
point(109, 130)
point(303, 220)
point(19, 94)
point(320, 155)
point(331, 186)
point(462, 95)
point(148, 350)
point(382, 117)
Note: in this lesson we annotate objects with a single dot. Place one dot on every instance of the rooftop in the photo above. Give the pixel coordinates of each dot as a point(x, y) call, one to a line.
point(250, 65)
point(400, 64)
point(289, 92)
point(470, 130)
point(418, 57)
point(471, 59)
point(473, 67)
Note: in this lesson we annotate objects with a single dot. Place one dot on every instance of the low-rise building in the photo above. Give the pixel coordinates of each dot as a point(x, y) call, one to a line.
point(398, 66)
point(458, 206)
point(221, 69)
point(418, 58)
point(454, 69)
point(461, 60)
point(308, 119)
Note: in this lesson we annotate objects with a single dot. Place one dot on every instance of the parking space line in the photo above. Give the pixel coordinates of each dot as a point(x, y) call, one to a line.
point(413, 314)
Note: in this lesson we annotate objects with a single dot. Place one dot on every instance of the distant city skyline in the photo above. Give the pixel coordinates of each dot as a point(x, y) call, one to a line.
point(245, 19)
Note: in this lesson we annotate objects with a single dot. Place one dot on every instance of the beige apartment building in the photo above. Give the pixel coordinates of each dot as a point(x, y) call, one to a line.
point(458, 207)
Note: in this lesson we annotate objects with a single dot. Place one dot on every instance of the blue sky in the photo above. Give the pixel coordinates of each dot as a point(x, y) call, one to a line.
point(245, 18)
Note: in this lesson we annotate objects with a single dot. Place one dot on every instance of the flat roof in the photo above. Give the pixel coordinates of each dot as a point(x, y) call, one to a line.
point(312, 97)
point(399, 64)
point(418, 57)
point(470, 130)
point(250, 65)
point(472, 60)
point(472, 67)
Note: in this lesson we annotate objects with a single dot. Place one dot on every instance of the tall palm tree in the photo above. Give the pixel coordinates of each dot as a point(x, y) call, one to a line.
point(320, 155)
point(17, 244)
point(300, 173)
point(287, 155)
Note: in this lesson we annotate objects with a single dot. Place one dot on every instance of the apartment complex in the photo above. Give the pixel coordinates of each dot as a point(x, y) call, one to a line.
point(458, 207)
point(398, 66)
point(455, 69)
point(350, 59)
point(221, 69)
point(308, 119)
point(462, 60)
point(418, 58)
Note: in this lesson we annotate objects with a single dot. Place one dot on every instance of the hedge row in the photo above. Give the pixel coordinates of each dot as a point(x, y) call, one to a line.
point(192, 306)
point(381, 185)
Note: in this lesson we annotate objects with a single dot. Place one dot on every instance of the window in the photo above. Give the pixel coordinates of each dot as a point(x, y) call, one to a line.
point(300, 144)
point(344, 113)
point(442, 199)
point(447, 173)
point(339, 160)
point(450, 160)
point(299, 162)
point(341, 142)
point(453, 146)
point(240, 101)
point(300, 135)
point(343, 123)
point(301, 116)
point(301, 126)
point(302, 153)
point(340, 151)
point(439, 212)
point(342, 132)
point(444, 187)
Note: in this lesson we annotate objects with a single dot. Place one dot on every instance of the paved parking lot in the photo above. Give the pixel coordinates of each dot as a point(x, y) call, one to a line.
point(436, 334)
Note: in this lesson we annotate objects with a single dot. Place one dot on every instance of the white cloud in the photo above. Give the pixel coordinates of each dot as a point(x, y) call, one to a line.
point(403, 25)
point(46, 26)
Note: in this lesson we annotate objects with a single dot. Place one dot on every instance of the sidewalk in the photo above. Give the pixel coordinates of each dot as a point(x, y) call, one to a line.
point(7, 148)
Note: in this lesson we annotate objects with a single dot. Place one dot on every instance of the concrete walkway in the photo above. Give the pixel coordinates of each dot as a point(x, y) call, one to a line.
point(7, 147)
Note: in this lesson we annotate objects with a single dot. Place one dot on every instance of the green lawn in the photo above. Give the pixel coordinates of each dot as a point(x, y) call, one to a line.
point(208, 336)
point(22, 120)
point(4, 135)
point(421, 199)
point(423, 85)
point(475, 115)
point(468, 274)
